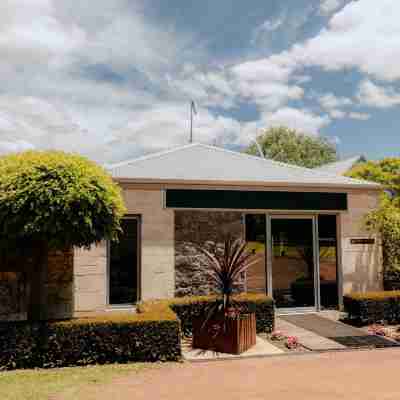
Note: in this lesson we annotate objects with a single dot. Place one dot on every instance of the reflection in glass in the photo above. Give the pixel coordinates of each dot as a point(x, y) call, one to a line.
point(328, 260)
point(123, 269)
point(255, 277)
point(293, 262)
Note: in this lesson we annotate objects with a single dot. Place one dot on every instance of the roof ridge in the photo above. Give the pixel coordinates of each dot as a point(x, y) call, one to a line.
point(283, 164)
point(150, 156)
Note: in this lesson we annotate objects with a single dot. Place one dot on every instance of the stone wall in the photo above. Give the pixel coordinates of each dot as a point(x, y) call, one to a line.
point(200, 228)
point(14, 289)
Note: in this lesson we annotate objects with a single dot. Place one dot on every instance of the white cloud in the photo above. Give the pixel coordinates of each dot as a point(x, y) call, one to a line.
point(373, 95)
point(302, 120)
point(359, 116)
point(363, 35)
point(329, 101)
point(337, 114)
point(328, 7)
point(30, 33)
point(266, 81)
point(263, 31)
point(47, 101)
point(211, 88)
point(166, 125)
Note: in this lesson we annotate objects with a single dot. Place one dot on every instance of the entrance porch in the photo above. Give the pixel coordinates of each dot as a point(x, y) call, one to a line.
point(296, 255)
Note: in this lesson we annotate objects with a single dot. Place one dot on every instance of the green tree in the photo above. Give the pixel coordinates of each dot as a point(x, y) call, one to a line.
point(52, 201)
point(387, 218)
point(288, 145)
point(386, 172)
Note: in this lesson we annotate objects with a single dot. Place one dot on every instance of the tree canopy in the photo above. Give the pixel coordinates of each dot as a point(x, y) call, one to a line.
point(387, 218)
point(386, 172)
point(293, 147)
point(53, 201)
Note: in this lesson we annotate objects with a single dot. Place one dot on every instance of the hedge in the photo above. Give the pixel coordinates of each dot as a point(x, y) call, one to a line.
point(373, 307)
point(111, 338)
point(151, 334)
point(186, 308)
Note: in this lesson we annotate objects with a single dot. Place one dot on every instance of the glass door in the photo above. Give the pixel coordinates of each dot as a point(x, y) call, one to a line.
point(256, 234)
point(293, 261)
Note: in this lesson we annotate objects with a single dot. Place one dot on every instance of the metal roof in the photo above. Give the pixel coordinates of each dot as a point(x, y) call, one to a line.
point(202, 163)
point(340, 167)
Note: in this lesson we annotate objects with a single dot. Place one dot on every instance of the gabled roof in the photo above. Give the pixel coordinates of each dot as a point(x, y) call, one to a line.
point(340, 167)
point(199, 163)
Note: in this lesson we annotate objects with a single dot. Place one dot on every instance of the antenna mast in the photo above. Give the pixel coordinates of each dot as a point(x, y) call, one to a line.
point(259, 148)
point(192, 111)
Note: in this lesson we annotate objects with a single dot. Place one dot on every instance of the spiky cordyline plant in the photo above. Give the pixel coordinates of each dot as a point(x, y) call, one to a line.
point(225, 270)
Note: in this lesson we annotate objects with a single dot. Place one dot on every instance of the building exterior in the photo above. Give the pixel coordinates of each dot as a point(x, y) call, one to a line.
point(305, 227)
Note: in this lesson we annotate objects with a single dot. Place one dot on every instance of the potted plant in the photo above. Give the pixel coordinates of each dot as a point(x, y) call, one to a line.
point(225, 326)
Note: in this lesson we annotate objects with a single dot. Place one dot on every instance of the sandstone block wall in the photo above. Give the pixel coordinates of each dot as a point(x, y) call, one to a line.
point(361, 263)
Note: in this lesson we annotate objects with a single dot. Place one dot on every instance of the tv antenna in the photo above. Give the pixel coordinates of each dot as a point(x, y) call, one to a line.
point(192, 111)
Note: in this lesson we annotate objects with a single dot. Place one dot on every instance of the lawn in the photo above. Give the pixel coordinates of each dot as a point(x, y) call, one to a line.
point(40, 384)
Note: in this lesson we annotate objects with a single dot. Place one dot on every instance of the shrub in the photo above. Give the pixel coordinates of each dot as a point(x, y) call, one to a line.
point(186, 308)
point(151, 336)
point(386, 219)
point(373, 307)
point(51, 201)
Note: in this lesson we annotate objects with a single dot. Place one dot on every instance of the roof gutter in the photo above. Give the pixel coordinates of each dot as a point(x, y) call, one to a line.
point(180, 182)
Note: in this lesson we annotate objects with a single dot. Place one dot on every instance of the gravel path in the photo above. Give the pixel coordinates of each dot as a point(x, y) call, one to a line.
point(353, 375)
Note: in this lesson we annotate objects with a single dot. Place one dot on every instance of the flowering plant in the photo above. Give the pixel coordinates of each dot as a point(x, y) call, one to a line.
point(292, 342)
point(377, 330)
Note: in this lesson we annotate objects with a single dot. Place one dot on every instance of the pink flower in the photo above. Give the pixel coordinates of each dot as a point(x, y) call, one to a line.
point(292, 342)
point(378, 330)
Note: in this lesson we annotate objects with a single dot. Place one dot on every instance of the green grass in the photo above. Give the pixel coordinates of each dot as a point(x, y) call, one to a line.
point(71, 383)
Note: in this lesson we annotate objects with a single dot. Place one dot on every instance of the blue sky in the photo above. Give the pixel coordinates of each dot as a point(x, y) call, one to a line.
point(114, 80)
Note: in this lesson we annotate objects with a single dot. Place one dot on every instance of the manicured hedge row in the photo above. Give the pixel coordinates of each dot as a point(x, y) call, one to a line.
point(151, 336)
point(373, 307)
point(188, 307)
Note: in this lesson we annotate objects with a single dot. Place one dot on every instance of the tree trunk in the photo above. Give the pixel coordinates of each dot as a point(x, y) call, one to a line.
point(38, 304)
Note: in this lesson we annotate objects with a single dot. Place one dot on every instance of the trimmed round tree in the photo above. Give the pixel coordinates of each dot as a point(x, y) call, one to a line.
point(50, 200)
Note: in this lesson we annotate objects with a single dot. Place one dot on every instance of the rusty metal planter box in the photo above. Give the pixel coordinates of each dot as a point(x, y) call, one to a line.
point(237, 336)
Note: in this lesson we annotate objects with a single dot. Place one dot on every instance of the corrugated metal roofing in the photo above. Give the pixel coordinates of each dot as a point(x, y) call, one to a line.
point(203, 163)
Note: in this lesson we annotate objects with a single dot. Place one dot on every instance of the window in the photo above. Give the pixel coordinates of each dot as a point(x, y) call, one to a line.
point(124, 264)
point(328, 260)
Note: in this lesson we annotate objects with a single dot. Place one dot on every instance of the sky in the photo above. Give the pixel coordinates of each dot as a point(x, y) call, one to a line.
point(113, 79)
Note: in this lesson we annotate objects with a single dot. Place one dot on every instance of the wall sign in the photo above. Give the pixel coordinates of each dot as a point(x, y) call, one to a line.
point(362, 241)
point(252, 200)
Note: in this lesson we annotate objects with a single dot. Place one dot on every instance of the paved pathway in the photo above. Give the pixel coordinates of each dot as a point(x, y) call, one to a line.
point(355, 375)
point(308, 339)
point(261, 348)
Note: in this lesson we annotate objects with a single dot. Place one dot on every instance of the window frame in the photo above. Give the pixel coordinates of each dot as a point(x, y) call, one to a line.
point(138, 219)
